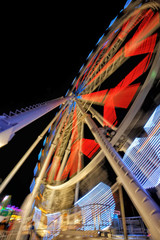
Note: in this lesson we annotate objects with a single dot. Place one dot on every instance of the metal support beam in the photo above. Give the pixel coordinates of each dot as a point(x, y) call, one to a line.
point(9, 125)
point(123, 212)
point(101, 119)
point(147, 208)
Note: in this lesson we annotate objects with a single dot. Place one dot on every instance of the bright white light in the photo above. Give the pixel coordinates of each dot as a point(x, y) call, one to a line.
point(143, 155)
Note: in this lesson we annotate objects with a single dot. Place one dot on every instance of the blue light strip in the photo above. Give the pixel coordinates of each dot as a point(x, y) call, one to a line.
point(127, 3)
point(40, 154)
point(35, 169)
point(73, 81)
point(111, 23)
point(32, 185)
point(81, 68)
point(44, 142)
point(100, 39)
point(67, 92)
point(89, 54)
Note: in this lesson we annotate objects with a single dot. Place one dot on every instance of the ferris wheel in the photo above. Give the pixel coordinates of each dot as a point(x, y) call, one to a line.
point(104, 98)
point(111, 88)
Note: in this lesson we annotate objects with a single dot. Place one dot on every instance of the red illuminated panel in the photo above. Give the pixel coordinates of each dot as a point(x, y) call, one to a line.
point(67, 168)
point(96, 97)
point(118, 98)
point(89, 147)
point(100, 97)
point(123, 98)
point(122, 95)
point(109, 113)
point(145, 46)
point(134, 74)
point(72, 163)
point(134, 20)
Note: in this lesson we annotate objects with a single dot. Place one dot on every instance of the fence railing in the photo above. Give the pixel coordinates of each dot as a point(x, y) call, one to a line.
point(134, 225)
point(89, 219)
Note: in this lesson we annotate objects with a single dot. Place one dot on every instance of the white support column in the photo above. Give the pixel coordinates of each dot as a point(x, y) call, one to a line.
point(9, 125)
point(147, 208)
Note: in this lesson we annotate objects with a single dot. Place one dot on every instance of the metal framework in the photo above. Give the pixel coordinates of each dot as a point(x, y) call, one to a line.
point(112, 89)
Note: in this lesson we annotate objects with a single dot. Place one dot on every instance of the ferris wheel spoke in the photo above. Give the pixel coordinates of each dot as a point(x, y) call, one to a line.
point(67, 165)
point(54, 164)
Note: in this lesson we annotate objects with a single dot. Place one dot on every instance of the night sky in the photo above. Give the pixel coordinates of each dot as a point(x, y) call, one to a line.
point(42, 49)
